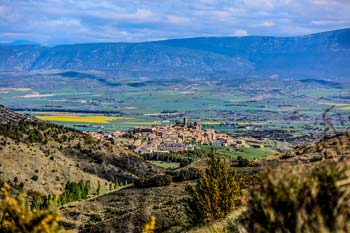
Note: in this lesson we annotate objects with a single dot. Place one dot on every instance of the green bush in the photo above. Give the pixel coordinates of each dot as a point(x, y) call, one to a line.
point(182, 157)
point(72, 192)
point(242, 162)
point(185, 174)
point(216, 193)
point(300, 199)
point(154, 181)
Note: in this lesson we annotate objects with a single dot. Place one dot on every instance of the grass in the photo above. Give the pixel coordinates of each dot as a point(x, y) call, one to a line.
point(245, 152)
point(251, 153)
point(166, 165)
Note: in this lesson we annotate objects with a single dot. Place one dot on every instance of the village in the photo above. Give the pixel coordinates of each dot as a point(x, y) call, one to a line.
point(174, 138)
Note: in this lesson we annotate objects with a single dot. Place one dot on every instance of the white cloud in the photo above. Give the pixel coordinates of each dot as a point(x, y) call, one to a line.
point(268, 24)
point(265, 24)
point(329, 22)
point(269, 4)
point(143, 14)
point(57, 21)
point(178, 19)
point(240, 32)
point(320, 2)
point(230, 12)
point(64, 22)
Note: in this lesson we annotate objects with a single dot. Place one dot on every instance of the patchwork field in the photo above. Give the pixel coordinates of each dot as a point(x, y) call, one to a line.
point(250, 106)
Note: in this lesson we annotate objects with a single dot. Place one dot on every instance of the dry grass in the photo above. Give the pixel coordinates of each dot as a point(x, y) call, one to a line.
point(221, 226)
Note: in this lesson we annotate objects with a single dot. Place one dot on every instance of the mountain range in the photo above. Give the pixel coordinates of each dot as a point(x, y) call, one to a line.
point(323, 55)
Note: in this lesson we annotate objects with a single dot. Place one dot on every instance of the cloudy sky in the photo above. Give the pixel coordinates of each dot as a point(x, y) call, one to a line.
point(79, 21)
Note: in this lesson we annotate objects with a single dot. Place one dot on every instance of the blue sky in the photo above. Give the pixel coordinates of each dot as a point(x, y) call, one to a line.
point(80, 21)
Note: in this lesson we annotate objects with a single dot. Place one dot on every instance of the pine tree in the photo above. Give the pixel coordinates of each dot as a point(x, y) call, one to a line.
point(88, 188)
point(115, 183)
point(98, 190)
point(216, 193)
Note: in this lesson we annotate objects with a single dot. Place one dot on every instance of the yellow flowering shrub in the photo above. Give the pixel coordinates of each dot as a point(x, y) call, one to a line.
point(150, 227)
point(17, 216)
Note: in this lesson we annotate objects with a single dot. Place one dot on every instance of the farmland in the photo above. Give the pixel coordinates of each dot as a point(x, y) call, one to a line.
point(78, 118)
point(253, 106)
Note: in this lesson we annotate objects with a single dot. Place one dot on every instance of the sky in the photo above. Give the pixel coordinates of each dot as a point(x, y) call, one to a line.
point(82, 21)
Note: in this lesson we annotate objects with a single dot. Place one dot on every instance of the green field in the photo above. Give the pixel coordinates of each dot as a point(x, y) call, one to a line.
point(166, 165)
point(245, 152)
point(230, 106)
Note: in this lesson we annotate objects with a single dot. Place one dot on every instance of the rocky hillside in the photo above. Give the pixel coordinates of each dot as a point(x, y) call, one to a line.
point(8, 116)
point(129, 209)
point(43, 157)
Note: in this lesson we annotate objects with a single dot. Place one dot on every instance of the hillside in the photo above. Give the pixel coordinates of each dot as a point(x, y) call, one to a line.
point(7, 116)
point(113, 211)
point(127, 210)
point(43, 157)
point(322, 55)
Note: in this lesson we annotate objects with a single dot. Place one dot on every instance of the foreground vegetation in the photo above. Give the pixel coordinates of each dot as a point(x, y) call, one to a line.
point(301, 199)
point(290, 198)
point(217, 192)
point(17, 216)
point(304, 190)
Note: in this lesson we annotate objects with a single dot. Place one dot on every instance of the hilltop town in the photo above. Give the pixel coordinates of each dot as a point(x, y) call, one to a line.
point(174, 138)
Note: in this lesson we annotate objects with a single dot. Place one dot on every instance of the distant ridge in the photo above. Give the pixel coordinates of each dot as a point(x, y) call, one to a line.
point(317, 55)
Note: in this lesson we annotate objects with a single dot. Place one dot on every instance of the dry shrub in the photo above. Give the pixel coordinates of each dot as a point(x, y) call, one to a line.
point(301, 199)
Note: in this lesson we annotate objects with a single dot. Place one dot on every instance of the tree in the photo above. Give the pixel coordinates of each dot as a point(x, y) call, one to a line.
point(88, 188)
point(98, 190)
point(216, 193)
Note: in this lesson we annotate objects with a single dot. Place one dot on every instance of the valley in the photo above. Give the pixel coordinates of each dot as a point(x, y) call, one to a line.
point(278, 109)
point(206, 134)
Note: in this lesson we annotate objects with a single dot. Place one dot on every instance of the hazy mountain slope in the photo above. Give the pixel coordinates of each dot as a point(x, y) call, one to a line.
point(320, 55)
point(328, 52)
point(338, 40)
point(45, 156)
point(136, 59)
